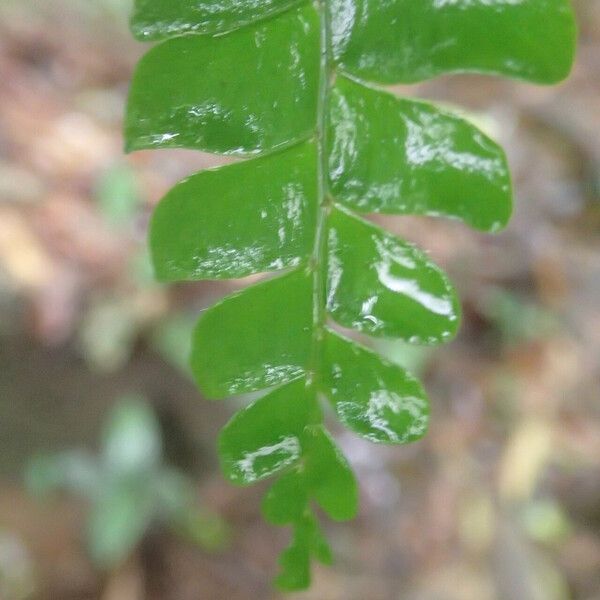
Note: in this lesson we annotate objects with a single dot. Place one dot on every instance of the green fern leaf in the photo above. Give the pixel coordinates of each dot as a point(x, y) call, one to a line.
point(284, 81)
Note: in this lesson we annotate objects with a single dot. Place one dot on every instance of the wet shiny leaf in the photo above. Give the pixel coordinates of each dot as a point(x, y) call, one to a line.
point(395, 41)
point(386, 287)
point(286, 500)
point(389, 155)
point(158, 19)
point(254, 216)
point(307, 541)
point(255, 339)
point(272, 78)
point(266, 436)
point(171, 106)
point(329, 476)
point(376, 399)
point(323, 474)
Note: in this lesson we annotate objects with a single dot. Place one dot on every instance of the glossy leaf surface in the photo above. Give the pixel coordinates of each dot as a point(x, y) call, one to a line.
point(323, 474)
point(307, 541)
point(159, 19)
point(262, 321)
point(329, 476)
point(395, 41)
point(376, 399)
point(266, 436)
point(386, 287)
point(254, 216)
point(389, 155)
point(285, 502)
point(286, 80)
point(187, 92)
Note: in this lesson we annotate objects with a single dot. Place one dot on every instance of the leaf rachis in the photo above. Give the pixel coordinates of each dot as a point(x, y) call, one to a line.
point(290, 86)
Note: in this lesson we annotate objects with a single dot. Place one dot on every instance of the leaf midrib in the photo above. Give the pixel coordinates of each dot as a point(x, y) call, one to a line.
point(324, 202)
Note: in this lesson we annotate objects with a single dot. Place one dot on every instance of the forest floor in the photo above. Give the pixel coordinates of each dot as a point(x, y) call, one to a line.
point(501, 501)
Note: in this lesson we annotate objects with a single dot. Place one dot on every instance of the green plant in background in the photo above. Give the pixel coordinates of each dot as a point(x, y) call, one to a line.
point(117, 196)
point(517, 321)
point(284, 81)
point(128, 486)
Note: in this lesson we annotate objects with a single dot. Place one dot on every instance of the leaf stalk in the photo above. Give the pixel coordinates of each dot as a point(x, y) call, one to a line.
point(318, 259)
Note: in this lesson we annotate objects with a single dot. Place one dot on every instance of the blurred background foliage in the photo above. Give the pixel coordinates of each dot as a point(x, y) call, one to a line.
point(128, 487)
point(500, 501)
